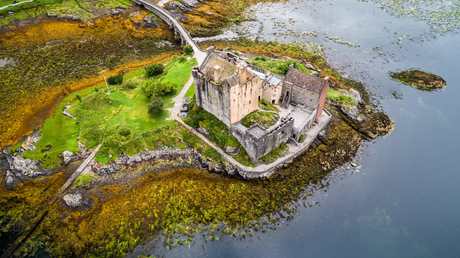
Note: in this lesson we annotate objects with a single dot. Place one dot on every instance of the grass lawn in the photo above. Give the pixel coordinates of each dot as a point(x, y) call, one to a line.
point(121, 119)
point(264, 119)
point(191, 91)
point(279, 67)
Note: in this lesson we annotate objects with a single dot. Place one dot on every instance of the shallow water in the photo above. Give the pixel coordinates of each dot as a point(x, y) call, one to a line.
point(404, 200)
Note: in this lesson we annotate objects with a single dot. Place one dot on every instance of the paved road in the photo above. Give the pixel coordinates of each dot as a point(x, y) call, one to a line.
point(4, 7)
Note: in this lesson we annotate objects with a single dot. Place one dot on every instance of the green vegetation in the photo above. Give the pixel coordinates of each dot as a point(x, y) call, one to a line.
point(264, 104)
point(302, 138)
point(129, 85)
point(419, 79)
point(79, 97)
point(340, 97)
point(264, 119)
point(154, 69)
point(191, 91)
point(117, 79)
point(188, 50)
point(274, 154)
point(82, 180)
point(121, 119)
point(278, 67)
point(77, 8)
point(156, 106)
point(157, 89)
point(236, 53)
point(219, 133)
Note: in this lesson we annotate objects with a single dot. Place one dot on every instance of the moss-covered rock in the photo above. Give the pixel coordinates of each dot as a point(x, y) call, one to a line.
point(419, 79)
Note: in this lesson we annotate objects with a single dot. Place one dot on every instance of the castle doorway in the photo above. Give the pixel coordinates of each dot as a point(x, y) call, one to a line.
point(273, 101)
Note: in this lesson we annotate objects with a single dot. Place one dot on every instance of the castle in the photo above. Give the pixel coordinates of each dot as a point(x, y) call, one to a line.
point(230, 88)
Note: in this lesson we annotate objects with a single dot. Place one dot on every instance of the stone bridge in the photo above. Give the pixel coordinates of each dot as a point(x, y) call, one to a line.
point(179, 30)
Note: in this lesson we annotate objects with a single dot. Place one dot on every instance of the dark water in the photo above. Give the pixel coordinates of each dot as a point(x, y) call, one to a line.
point(405, 200)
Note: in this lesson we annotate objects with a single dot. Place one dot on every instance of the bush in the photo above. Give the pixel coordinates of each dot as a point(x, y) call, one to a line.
point(152, 88)
point(302, 138)
point(154, 69)
point(156, 106)
point(129, 85)
point(117, 79)
point(188, 50)
point(78, 97)
point(96, 89)
point(182, 59)
point(236, 53)
point(260, 58)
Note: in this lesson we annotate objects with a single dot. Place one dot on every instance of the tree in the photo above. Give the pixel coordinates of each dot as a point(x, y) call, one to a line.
point(78, 97)
point(156, 106)
point(188, 50)
point(154, 69)
point(152, 88)
point(117, 79)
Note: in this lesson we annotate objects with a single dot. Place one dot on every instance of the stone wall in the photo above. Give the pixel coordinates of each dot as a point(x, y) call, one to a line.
point(259, 146)
point(301, 96)
point(297, 132)
point(212, 97)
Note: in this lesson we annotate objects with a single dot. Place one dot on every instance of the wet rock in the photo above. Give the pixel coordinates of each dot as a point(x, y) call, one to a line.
point(149, 23)
point(75, 200)
point(68, 157)
point(353, 164)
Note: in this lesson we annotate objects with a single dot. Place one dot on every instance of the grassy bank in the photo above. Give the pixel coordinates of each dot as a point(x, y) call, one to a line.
point(55, 58)
point(120, 119)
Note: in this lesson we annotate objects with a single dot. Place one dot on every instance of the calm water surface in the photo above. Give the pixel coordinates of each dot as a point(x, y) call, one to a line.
point(405, 200)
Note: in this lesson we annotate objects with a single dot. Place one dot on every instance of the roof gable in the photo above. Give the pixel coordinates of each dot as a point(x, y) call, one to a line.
point(304, 80)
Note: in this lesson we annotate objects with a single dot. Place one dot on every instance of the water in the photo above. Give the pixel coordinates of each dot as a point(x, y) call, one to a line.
point(405, 200)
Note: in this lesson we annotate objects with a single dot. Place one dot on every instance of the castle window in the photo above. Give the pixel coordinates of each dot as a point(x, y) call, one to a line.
point(251, 91)
point(249, 102)
point(245, 94)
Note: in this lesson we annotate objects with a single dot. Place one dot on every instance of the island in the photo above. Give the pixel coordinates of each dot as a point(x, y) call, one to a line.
point(109, 143)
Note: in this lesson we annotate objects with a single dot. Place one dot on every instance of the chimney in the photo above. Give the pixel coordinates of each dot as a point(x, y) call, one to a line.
point(216, 73)
point(322, 99)
point(209, 50)
point(242, 68)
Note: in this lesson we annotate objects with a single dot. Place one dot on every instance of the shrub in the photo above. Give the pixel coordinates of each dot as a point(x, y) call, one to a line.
point(96, 89)
point(236, 53)
point(260, 58)
point(188, 50)
point(302, 138)
point(78, 97)
point(152, 88)
point(117, 79)
point(154, 69)
point(182, 59)
point(156, 106)
point(129, 85)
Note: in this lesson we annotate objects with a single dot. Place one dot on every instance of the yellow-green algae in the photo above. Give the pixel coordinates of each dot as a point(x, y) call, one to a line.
point(174, 203)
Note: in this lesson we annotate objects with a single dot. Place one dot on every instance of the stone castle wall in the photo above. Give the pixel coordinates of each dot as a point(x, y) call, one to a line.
point(211, 97)
point(259, 146)
point(301, 96)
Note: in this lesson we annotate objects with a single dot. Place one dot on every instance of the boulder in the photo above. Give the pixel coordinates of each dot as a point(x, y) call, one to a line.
point(203, 130)
point(75, 200)
point(229, 149)
point(68, 157)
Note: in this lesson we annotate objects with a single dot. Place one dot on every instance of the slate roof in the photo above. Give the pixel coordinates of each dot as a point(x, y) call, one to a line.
point(274, 80)
point(304, 80)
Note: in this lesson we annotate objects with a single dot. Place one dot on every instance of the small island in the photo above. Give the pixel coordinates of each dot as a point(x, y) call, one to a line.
point(419, 79)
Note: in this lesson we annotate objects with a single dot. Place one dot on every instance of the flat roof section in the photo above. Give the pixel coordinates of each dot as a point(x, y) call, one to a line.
point(257, 131)
point(300, 116)
point(240, 126)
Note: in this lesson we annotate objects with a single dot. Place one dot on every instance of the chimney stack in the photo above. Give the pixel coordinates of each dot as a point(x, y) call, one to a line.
point(216, 73)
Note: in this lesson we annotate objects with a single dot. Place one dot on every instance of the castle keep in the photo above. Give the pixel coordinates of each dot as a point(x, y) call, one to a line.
point(230, 88)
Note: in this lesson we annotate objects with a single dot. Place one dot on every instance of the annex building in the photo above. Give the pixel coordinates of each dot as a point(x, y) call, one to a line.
point(230, 88)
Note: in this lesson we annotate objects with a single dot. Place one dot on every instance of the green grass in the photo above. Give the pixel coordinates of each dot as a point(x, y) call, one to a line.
point(191, 91)
point(279, 67)
point(219, 133)
point(108, 117)
point(264, 119)
point(274, 154)
point(82, 180)
point(339, 97)
point(264, 104)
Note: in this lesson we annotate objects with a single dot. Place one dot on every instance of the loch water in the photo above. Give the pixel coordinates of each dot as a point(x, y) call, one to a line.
point(404, 201)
